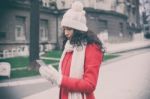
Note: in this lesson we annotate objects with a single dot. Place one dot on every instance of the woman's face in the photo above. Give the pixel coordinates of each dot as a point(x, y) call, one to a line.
point(68, 32)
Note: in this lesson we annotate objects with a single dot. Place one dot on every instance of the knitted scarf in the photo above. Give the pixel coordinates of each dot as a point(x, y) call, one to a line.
point(77, 65)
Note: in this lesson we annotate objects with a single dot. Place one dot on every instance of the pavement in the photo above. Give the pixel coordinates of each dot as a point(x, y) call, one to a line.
point(125, 79)
point(105, 88)
point(123, 47)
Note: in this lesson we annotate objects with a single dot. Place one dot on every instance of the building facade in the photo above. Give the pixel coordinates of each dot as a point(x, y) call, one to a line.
point(15, 26)
point(118, 19)
point(145, 17)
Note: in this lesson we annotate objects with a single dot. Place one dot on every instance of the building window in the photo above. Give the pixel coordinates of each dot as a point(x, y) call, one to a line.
point(103, 25)
point(121, 27)
point(133, 9)
point(2, 35)
point(43, 30)
point(20, 28)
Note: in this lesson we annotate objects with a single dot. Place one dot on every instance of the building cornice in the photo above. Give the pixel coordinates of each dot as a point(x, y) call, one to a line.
point(98, 11)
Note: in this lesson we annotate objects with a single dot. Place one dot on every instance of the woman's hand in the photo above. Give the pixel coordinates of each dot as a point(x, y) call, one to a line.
point(51, 74)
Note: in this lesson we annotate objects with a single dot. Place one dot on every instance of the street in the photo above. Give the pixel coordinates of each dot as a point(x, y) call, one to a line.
point(127, 78)
point(17, 92)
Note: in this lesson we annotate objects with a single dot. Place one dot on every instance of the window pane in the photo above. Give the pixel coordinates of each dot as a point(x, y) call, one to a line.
point(121, 27)
point(20, 28)
point(103, 24)
point(43, 30)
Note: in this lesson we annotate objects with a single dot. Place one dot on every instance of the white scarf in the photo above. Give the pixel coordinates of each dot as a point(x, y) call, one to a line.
point(77, 65)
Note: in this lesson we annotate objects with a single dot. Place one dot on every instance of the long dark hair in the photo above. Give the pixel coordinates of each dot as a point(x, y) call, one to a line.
point(80, 37)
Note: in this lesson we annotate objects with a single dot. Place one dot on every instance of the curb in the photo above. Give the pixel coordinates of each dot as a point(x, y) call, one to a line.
point(124, 56)
point(134, 49)
point(50, 58)
point(22, 81)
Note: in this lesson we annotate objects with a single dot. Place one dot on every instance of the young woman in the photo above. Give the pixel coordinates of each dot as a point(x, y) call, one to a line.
point(80, 62)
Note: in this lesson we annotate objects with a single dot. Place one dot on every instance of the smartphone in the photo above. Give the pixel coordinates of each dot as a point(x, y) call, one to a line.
point(40, 63)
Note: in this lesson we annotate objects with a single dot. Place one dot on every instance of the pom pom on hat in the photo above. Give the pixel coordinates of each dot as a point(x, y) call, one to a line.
point(75, 17)
point(77, 6)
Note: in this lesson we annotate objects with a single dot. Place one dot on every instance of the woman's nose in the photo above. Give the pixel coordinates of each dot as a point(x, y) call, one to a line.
point(66, 32)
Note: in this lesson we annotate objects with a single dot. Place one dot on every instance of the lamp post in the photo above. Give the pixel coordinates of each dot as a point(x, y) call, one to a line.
point(34, 34)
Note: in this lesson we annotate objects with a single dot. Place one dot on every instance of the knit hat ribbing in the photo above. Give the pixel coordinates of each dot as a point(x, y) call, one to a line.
point(75, 17)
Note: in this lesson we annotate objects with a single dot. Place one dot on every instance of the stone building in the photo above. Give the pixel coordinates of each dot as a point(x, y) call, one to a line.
point(15, 25)
point(119, 19)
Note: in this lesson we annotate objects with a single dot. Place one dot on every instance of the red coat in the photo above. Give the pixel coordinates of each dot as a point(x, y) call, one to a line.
point(87, 85)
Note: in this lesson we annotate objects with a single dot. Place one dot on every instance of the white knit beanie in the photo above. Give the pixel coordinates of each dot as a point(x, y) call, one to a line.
point(75, 17)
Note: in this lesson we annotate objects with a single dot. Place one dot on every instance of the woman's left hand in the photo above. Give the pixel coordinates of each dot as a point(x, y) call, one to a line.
point(50, 73)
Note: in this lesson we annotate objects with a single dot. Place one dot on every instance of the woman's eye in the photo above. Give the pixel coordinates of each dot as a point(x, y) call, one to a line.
point(69, 29)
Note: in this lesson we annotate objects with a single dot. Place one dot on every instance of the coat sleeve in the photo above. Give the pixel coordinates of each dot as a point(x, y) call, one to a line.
point(93, 60)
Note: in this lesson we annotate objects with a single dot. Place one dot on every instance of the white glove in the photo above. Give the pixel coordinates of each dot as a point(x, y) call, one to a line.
point(50, 74)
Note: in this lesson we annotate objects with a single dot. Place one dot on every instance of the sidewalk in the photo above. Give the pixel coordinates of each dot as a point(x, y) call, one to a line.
point(125, 79)
point(122, 47)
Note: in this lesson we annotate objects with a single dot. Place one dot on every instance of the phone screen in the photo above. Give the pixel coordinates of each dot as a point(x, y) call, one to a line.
point(41, 63)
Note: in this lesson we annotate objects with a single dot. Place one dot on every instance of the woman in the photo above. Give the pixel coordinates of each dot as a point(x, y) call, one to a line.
point(81, 58)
